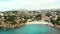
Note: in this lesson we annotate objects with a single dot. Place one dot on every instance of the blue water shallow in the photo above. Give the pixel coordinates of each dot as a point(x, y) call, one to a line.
point(32, 29)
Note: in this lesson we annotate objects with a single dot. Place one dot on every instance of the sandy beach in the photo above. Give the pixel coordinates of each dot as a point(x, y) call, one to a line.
point(40, 22)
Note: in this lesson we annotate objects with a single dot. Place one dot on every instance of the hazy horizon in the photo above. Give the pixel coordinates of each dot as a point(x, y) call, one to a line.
point(6, 5)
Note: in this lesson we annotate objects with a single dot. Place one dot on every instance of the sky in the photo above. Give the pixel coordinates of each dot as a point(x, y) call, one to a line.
point(6, 5)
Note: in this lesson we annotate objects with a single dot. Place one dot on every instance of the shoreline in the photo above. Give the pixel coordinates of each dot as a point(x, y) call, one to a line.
point(12, 26)
point(40, 22)
point(44, 23)
point(57, 26)
point(33, 22)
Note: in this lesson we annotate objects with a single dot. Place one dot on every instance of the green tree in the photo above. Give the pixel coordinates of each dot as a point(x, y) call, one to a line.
point(53, 21)
point(10, 19)
point(13, 23)
point(57, 22)
point(38, 17)
point(48, 14)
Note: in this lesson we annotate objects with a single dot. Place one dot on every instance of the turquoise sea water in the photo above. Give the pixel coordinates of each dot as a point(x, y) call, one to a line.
point(32, 29)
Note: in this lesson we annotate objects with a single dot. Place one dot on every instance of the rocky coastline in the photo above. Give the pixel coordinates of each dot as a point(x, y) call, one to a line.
point(12, 26)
